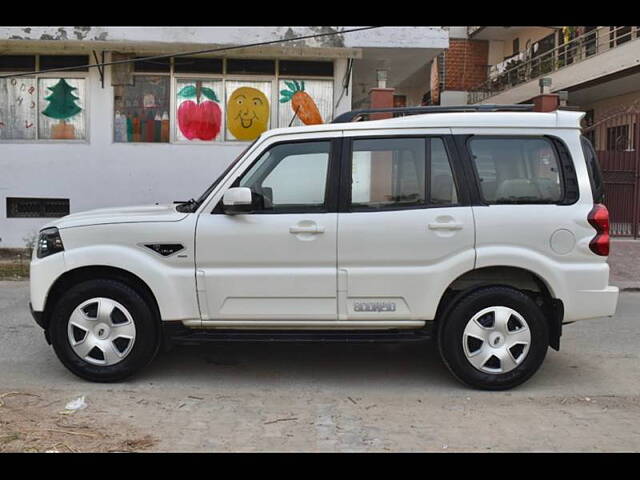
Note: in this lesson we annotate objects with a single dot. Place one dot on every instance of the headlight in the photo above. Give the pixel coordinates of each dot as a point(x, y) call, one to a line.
point(49, 242)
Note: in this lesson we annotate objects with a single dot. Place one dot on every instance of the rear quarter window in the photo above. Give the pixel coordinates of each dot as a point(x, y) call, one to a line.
point(517, 170)
point(593, 167)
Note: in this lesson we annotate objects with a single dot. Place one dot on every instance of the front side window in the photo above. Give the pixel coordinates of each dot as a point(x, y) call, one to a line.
point(289, 177)
point(517, 170)
point(401, 173)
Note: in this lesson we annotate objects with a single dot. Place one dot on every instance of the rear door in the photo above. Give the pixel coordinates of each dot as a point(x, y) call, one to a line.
point(405, 226)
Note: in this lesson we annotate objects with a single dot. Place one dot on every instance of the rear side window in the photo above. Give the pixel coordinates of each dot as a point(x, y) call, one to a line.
point(397, 173)
point(517, 170)
point(593, 167)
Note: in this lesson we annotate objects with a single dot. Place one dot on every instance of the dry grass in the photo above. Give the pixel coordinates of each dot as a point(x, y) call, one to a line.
point(14, 271)
point(31, 423)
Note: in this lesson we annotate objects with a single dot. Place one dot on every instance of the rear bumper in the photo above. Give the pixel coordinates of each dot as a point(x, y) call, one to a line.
point(586, 304)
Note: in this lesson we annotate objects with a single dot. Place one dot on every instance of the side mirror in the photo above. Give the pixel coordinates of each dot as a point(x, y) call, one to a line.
point(237, 200)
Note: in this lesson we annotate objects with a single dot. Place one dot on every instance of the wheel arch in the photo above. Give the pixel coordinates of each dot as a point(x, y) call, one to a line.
point(518, 278)
point(78, 275)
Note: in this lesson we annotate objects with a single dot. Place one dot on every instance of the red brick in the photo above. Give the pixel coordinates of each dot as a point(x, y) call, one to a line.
point(465, 64)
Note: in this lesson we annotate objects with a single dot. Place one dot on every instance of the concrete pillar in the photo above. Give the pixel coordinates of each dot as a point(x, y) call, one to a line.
point(547, 102)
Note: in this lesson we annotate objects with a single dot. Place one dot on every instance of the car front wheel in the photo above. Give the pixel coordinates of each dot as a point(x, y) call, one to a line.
point(103, 330)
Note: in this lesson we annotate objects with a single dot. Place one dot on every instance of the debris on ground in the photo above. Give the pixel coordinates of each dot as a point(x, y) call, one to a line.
point(74, 405)
point(33, 427)
point(280, 420)
point(12, 394)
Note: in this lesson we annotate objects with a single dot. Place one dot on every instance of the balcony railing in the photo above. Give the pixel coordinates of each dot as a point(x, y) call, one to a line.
point(524, 67)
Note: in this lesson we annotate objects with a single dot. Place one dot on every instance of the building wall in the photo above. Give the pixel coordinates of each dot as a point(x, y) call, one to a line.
point(465, 63)
point(496, 52)
point(606, 116)
point(101, 173)
point(612, 105)
point(524, 35)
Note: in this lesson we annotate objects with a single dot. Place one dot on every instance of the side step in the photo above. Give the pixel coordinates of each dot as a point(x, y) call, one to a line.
point(186, 336)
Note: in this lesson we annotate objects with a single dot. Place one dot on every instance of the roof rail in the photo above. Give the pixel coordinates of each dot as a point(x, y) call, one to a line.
point(350, 116)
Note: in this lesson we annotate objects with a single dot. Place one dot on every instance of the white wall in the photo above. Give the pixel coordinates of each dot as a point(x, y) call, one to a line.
point(388, 37)
point(101, 173)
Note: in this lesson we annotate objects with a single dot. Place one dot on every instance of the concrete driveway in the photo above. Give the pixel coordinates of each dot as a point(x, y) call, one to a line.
point(321, 397)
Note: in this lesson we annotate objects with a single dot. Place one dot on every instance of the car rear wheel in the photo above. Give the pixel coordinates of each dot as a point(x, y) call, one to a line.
point(495, 338)
point(103, 330)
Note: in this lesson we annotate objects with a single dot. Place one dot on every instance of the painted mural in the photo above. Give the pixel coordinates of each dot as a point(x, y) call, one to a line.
point(62, 115)
point(199, 116)
point(305, 102)
point(18, 108)
point(142, 110)
point(301, 103)
point(248, 109)
point(62, 106)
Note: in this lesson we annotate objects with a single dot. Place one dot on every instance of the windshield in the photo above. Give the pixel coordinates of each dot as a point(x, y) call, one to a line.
point(192, 205)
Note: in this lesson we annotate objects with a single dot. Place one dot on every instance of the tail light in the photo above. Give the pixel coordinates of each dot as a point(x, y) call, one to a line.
point(599, 219)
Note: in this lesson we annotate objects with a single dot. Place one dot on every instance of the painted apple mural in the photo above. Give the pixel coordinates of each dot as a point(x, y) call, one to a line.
point(199, 120)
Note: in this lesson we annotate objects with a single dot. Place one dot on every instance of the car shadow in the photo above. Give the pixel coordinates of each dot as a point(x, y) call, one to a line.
point(360, 365)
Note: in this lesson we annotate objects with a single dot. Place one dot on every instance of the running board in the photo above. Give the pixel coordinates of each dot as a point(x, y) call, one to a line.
point(193, 337)
point(305, 324)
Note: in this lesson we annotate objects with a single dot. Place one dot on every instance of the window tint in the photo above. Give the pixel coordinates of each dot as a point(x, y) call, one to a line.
point(593, 167)
point(443, 189)
point(395, 173)
point(517, 170)
point(289, 177)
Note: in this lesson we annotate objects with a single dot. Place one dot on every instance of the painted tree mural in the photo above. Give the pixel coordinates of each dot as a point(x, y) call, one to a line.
point(62, 105)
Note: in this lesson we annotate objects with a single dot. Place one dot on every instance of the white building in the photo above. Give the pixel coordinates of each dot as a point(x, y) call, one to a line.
point(163, 130)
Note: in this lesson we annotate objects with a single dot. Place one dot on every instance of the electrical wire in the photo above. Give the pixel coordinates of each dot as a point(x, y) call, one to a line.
point(191, 53)
point(345, 82)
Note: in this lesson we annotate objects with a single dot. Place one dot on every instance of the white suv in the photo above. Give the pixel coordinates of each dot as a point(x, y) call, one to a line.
point(481, 229)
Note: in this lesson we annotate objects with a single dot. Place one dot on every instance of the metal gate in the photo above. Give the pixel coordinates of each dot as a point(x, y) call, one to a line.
point(616, 139)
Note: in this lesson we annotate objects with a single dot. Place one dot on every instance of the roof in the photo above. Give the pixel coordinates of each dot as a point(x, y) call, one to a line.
point(556, 119)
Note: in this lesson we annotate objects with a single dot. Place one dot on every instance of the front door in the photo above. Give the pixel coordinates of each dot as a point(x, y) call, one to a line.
point(279, 261)
point(405, 227)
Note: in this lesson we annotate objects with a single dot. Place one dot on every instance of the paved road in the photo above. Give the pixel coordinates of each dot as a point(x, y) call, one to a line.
point(341, 397)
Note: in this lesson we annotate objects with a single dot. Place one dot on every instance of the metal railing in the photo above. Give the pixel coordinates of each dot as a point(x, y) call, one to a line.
point(525, 66)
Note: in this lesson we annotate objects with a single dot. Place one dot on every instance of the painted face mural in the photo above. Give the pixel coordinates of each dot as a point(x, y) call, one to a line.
point(247, 113)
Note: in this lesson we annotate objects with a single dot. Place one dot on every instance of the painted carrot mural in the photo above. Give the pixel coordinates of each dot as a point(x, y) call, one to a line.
point(301, 102)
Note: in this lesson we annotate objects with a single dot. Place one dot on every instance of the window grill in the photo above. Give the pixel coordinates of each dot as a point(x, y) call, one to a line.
point(37, 207)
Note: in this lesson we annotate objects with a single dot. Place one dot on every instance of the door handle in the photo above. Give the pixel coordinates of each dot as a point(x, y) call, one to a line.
point(310, 229)
point(445, 226)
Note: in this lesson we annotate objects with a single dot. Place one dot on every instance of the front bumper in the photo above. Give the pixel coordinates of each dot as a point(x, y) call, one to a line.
point(38, 317)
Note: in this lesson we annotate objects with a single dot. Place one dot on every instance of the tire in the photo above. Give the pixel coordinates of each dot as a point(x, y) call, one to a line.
point(112, 317)
point(494, 338)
